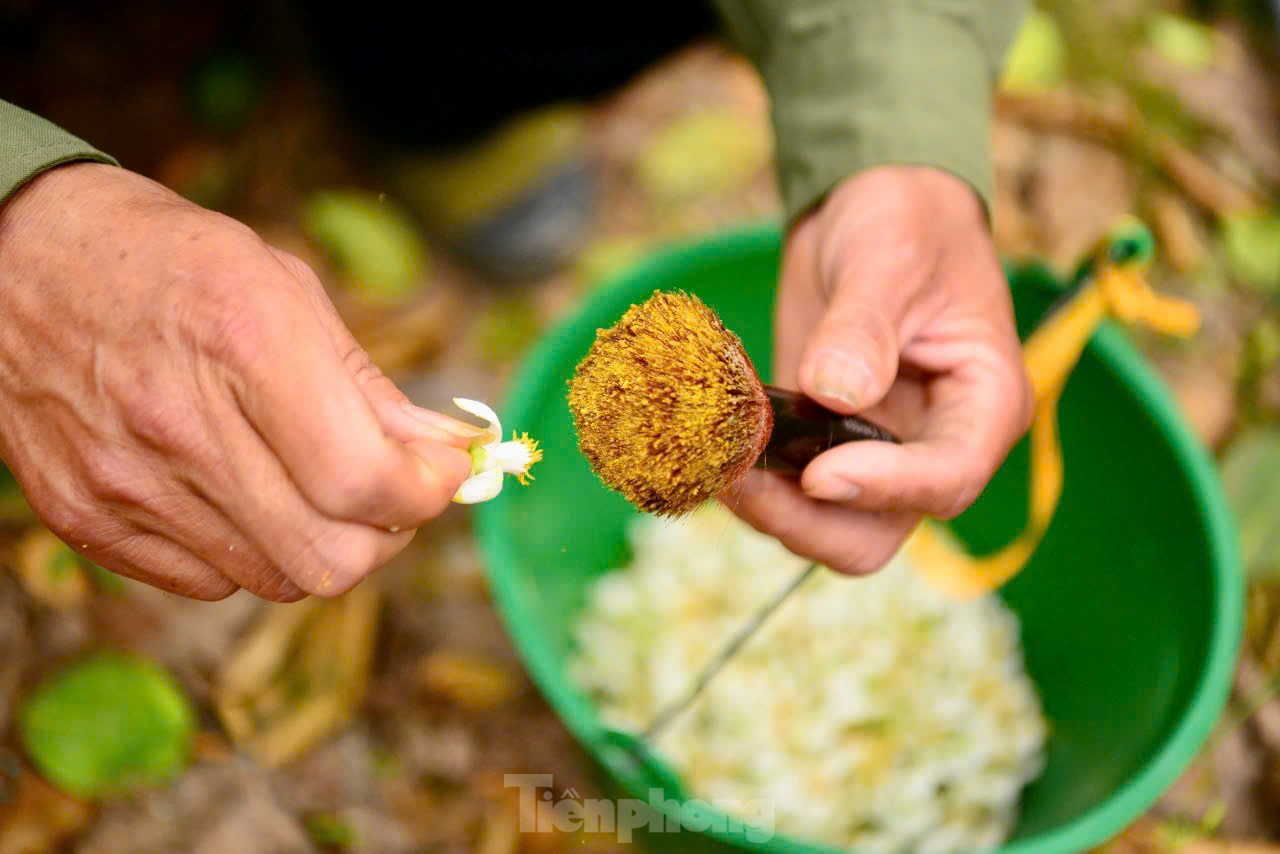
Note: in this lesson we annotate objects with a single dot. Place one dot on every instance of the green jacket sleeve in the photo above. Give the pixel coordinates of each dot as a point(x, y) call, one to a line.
point(862, 83)
point(29, 145)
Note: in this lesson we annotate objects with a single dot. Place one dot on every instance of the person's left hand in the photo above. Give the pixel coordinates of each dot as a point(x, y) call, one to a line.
point(892, 304)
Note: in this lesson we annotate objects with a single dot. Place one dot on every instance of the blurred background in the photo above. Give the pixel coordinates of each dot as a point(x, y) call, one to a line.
point(384, 721)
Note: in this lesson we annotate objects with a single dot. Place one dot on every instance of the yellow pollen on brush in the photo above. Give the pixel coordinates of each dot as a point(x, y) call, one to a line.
point(668, 408)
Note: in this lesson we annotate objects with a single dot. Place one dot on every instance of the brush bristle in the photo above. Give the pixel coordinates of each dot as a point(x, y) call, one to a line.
point(668, 407)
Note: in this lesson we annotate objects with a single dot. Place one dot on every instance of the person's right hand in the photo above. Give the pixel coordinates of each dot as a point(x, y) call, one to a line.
point(892, 304)
point(181, 403)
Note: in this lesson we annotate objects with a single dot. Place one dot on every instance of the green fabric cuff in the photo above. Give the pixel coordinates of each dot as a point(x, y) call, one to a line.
point(856, 84)
point(29, 145)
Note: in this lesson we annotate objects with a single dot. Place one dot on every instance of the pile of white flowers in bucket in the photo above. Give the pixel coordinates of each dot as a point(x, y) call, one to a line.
point(873, 712)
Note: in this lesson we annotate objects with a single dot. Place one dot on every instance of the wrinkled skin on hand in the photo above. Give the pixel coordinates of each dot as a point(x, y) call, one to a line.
point(181, 403)
point(892, 304)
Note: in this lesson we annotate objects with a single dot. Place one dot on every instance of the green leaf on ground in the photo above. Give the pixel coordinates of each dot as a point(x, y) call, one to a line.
point(1037, 58)
point(705, 153)
point(328, 829)
point(1181, 40)
point(371, 239)
point(1250, 471)
point(107, 725)
point(1252, 243)
point(507, 328)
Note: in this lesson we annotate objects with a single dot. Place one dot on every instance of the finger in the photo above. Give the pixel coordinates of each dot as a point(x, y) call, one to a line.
point(110, 540)
point(974, 418)
point(320, 555)
point(429, 424)
point(299, 395)
point(160, 494)
point(846, 540)
point(851, 358)
point(851, 361)
point(190, 521)
point(801, 302)
point(158, 562)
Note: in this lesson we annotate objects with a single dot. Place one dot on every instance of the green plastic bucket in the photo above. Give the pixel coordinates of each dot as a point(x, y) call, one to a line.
point(1131, 609)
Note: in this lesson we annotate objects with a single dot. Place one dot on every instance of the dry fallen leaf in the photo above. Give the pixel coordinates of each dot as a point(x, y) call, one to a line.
point(468, 680)
point(1081, 189)
point(39, 817)
point(50, 570)
point(1180, 236)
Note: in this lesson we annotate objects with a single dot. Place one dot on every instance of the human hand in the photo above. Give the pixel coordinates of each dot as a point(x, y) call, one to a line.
point(181, 403)
point(892, 304)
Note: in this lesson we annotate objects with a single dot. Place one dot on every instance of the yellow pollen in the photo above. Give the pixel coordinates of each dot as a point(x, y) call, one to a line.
point(535, 455)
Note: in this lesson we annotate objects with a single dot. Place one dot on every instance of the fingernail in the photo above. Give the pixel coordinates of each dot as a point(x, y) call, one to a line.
point(441, 422)
point(839, 377)
point(833, 489)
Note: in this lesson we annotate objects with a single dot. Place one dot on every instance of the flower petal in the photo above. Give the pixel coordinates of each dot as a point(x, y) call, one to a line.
point(483, 412)
point(479, 488)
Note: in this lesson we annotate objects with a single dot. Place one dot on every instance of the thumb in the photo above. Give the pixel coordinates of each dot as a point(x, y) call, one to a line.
point(851, 359)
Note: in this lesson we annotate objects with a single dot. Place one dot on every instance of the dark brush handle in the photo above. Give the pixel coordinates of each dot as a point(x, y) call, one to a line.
point(804, 428)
